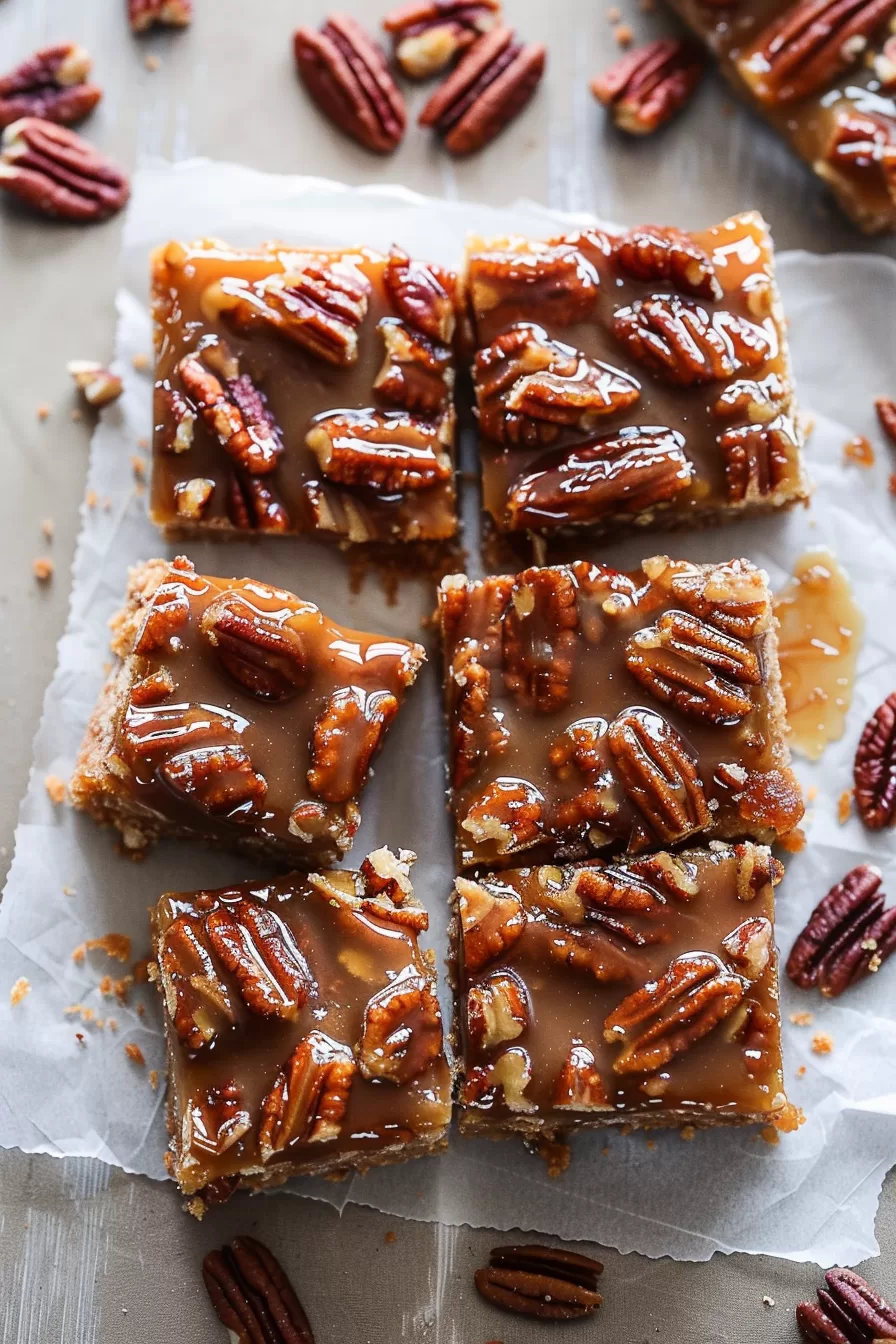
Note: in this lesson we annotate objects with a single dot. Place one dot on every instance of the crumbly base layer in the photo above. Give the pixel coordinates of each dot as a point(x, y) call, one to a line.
point(473, 1125)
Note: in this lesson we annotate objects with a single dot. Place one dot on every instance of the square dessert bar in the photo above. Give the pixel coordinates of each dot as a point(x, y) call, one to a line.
point(643, 991)
point(303, 391)
point(304, 1032)
point(239, 714)
point(592, 710)
point(632, 380)
point(824, 75)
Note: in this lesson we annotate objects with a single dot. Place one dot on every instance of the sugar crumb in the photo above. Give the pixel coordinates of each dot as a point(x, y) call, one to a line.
point(844, 806)
point(624, 35)
point(801, 1071)
point(56, 789)
point(822, 1043)
point(858, 450)
point(152, 62)
point(20, 989)
point(133, 1052)
point(802, 1019)
point(153, 1079)
point(48, 527)
point(140, 361)
point(43, 411)
point(390, 1237)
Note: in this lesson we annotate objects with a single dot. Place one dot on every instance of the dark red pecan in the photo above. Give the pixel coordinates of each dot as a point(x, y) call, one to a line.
point(260, 649)
point(348, 732)
point(492, 84)
point(320, 307)
point(423, 294)
point(152, 689)
point(580, 1086)
point(849, 935)
point(702, 671)
point(417, 374)
point(498, 1009)
point(197, 999)
point(252, 1297)
point(427, 36)
point(849, 1311)
point(385, 451)
point(679, 341)
point(309, 1097)
point(346, 74)
point(637, 468)
point(554, 279)
point(539, 632)
point(653, 253)
point(541, 1281)
point(874, 771)
point(235, 411)
point(402, 1031)
point(646, 87)
point(142, 14)
point(886, 414)
point(508, 814)
point(51, 85)
point(491, 919)
point(57, 172)
point(254, 944)
point(660, 774)
point(757, 460)
point(220, 779)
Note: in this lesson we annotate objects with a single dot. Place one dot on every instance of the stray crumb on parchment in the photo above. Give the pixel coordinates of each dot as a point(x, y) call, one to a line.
point(20, 989)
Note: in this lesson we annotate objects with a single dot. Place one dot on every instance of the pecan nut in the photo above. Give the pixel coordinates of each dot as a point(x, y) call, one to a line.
point(749, 947)
point(319, 306)
point(492, 84)
point(417, 374)
point(509, 815)
point(220, 779)
point(424, 295)
point(539, 632)
point(580, 1086)
point(541, 1281)
point(309, 1098)
point(758, 459)
point(251, 505)
point(492, 918)
point(388, 877)
point(660, 774)
point(702, 671)
point(553, 279)
point(849, 935)
point(258, 949)
point(678, 340)
point(197, 999)
point(479, 729)
point(861, 145)
point(167, 613)
point(428, 36)
point(848, 1308)
point(346, 74)
point(402, 1032)
point(498, 1009)
point(386, 451)
point(874, 770)
point(348, 732)
point(653, 253)
point(234, 409)
point(143, 14)
point(732, 596)
point(51, 84)
point(192, 497)
point(508, 1076)
point(251, 1295)
point(216, 1121)
point(886, 414)
point(260, 649)
point(646, 87)
point(54, 170)
point(98, 385)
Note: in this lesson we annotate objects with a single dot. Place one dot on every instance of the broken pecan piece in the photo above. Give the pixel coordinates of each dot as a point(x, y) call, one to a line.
point(402, 1032)
point(580, 1086)
point(51, 85)
point(169, 610)
point(417, 374)
point(508, 814)
point(427, 36)
point(192, 497)
point(236, 412)
point(678, 340)
point(386, 451)
point(347, 733)
point(251, 505)
point(346, 74)
point(848, 1309)
point(807, 47)
point(498, 1009)
point(492, 84)
point(874, 770)
point(216, 1121)
point(491, 919)
point(698, 668)
point(732, 596)
point(260, 649)
point(308, 1100)
point(480, 731)
point(646, 87)
point(540, 1281)
point(757, 460)
point(539, 631)
point(142, 14)
point(54, 170)
point(196, 997)
point(98, 385)
point(510, 1074)
point(660, 774)
point(258, 949)
point(849, 935)
point(886, 414)
point(252, 1296)
point(653, 253)
point(749, 946)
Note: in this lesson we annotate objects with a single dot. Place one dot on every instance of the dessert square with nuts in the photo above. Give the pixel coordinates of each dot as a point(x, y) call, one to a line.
point(632, 380)
point(591, 710)
point(237, 714)
point(304, 1032)
point(643, 991)
point(303, 391)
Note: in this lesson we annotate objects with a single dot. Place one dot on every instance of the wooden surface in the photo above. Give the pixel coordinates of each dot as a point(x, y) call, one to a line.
point(92, 1256)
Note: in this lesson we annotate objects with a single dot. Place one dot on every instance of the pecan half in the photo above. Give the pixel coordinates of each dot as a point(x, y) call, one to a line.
point(757, 460)
point(142, 14)
point(320, 307)
point(51, 85)
point(692, 996)
point(152, 689)
point(732, 596)
point(678, 340)
point(492, 84)
point(346, 74)
point(646, 87)
point(849, 935)
point(427, 36)
point(508, 814)
point(554, 279)
point(215, 1121)
point(308, 1100)
point(386, 451)
point(539, 633)
point(236, 412)
point(402, 1032)
point(347, 733)
point(168, 612)
point(848, 1309)
point(498, 1009)
point(509, 1075)
point(659, 773)
point(861, 145)
point(702, 671)
point(491, 919)
point(254, 944)
point(629, 472)
point(54, 170)
point(424, 294)
point(386, 875)
point(807, 46)
point(251, 505)
point(251, 1295)
point(197, 999)
point(220, 779)
point(260, 649)
point(886, 414)
point(177, 420)
point(416, 374)
point(653, 253)
point(874, 770)
point(580, 1086)
point(540, 1281)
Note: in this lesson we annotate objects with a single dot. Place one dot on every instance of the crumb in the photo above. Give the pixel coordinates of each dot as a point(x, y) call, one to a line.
point(135, 1053)
point(767, 1301)
point(626, 1129)
point(651, 1144)
point(141, 1010)
point(140, 362)
point(90, 499)
point(624, 35)
point(112, 1024)
point(811, 793)
point(769, 1135)
point(117, 945)
point(605, 1152)
point(105, 986)
point(154, 1079)
point(69, 891)
point(687, 1132)
point(788, 1119)
point(56, 789)
point(79, 1037)
point(143, 443)
point(152, 62)
point(140, 971)
point(197, 1207)
point(48, 527)
point(390, 1237)
point(859, 451)
point(43, 411)
point(76, 415)
point(822, 1043)
point(802, 1019)
point(43, 568)
point(554, 1154)
point(794, 841)
point(19, 990)
point(844, 806)
point(801, 1071)
point(614, 15)
point(138, 467)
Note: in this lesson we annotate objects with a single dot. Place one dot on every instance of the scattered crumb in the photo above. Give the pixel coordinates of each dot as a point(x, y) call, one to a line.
point(822, 1043)
point(801, 1071)
point(138, 467)
point(152, 62)
point(555, 1155)
point(134, 1053)
point(614, 15)
point(802, 1019)
point(794, 841)
point(112, 1024)
point(626, 1129)
point(624, 35)
point(769, 1135)
point(140, 362)
point(43, 568)
point(197, 1207)
point(651, 1144)
point(390, 1237)
point(767, 1301)
point(69, 891)
point(56, 788)
point(141, 1010)
point(48, 527)
point(844, 806)
point(859, 451)
point(76, 415)
point(117, 945)
point(154, 1079)
point(43, 411)
point(788, 1119)
point(90, 499)
point(140, 971)
point(79, 1037)
point(143, 443)
point(19, 990)
point(811, 793)
point(105, 986)
point(687, 1132)
point(605, 1152)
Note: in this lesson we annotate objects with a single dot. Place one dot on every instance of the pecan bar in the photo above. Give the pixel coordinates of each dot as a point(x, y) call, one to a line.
point(632, 380)
point(304, 1032)
point(643, 991)
point(303, 391)
point(823, 73)
point(237, 714)
point(591, 710)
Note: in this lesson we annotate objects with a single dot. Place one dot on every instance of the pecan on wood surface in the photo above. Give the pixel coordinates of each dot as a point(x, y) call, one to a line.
point(491, 85)
point(52, 169)
point(541, 1281)
point(346, 74)
point(646, 87)
point(51, 84)
point(848, 1310)
point(848, 936)
point(252, 1296)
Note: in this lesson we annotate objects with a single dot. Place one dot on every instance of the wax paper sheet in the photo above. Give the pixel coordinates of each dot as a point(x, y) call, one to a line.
point(814, 1195)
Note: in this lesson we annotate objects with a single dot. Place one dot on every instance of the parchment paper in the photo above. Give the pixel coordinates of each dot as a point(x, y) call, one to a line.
point(813, 1196)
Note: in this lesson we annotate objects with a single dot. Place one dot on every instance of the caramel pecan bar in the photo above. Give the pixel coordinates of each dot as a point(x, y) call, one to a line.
point(591, 710)
point(643, 991)
point(304, 1032)
point(632, 380)
point(237, 714)
point(823, 73)
point(303, 391)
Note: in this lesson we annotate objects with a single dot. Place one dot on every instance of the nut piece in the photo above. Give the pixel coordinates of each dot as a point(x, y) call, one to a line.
point(511, 1074)
point(259, 951)
point(886, 413)
point(168, 611)
point(321, 308)
point(346, 74)
point(220, 779)
point(251, 505)
point(98, 385)
point(348, 731)
point(694, 666)
point(732, 596)
point(646, 87)
point(848, 1309)
point(679, 341)
point(416, 374)
point(215, 1121)
point(653, 253)
point(248, 1290)
point(308, 1100)
point(143, 14)
point(51, 85)
point(235, 411)
point(192, 497)
point(492, 84)
point(491, 919)
point(54, 170)
point(660, 774)
point(749, 946)
point(849, 935)
point(757, 460)
point(260, 649)
point(580, 1086)
point(402, 1032)
point(539, 632)
point(540, 1281)
point(197, 1000)
point(386, 451)
point(427, 36)
point(508, 815)
point(498, 1009)
point(874, 771)
point(424, 294)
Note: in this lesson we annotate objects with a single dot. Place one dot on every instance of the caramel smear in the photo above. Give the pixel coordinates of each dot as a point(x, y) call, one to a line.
point(818, 644)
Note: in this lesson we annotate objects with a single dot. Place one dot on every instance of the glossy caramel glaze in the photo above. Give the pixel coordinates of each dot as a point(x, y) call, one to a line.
point(570, 947)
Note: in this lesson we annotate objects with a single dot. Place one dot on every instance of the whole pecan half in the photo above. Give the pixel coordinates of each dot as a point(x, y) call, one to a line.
point(541, 1281)
point(874, 770)
point(235, 411)
point(678, 340)
point(424, 294)
point(402, 1031)
point(417, 374)
point(580, 1086)
point(54, 170)
point(757, 459)
point(731, 596)
point(167, 613)
point(886, 414)
point(252, 1296)
point(346, 74)
point(308, 1100)
point(555, 279)
point(259, 648)
point(508, 814)
point(849, 935)
point(51, 85)
point(347, 733)
point(691, 664)
point(539, 632)
point(320, 307)
point(646, 87)
point(198, 1001)
point(848, 1310)
point(143, 14)
point(492, 84)
point(653, 253)
point(427, 36)
point(491, 919)
point(385, 451)
point(220, 779)
point(807, 46)
point(258, 949)
point(498, 1009)
point(659, 773)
